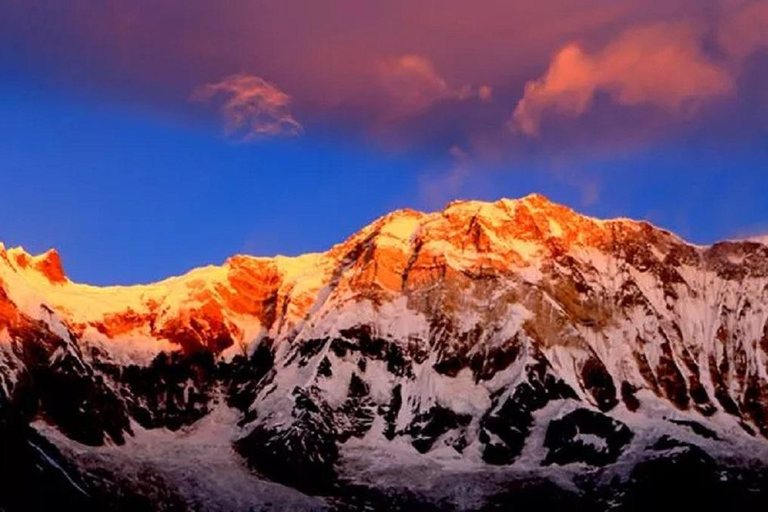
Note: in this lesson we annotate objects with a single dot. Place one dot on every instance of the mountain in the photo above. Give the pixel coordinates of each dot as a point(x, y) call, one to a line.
point(484, 356)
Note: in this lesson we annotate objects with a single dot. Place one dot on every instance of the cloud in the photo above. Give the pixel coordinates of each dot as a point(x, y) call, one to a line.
point(401, 70)
point(251, 107)
point(413, 86)
point(484, 93)
point(661, 65)
point(744, 32)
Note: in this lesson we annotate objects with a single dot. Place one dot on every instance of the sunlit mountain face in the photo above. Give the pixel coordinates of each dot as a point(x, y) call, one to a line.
point(521, 255)
point(480, 356)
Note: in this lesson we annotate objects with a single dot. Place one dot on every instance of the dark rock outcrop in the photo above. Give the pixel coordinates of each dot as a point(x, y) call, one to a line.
point(585, 436)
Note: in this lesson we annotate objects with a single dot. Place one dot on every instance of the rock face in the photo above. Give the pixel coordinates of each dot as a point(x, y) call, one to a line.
point(490, 333)
point(585, 436)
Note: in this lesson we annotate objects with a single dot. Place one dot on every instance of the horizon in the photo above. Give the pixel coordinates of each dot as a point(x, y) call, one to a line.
point(218, 264)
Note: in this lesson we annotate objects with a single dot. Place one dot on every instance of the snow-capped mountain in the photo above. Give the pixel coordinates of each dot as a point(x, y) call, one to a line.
point(441, 360)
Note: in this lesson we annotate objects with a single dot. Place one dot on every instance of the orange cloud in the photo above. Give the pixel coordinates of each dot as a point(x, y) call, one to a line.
point(251, 108)
point(662, 65)
point(414, 85)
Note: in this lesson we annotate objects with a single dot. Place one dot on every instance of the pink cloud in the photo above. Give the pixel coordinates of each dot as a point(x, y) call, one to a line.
point(485, 93)
point(413, 85)
point(661, 65)
point(746, 31)
point(251, 107)
point(406, 72)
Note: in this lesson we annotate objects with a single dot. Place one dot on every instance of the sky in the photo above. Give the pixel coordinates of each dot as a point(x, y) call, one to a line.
point(142, 139)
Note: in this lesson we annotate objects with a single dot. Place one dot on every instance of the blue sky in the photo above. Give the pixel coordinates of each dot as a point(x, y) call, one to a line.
point(104, 156)
point(130, 196)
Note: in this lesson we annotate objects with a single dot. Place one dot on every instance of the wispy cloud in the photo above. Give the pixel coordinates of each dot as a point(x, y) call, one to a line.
point(251, 107)
point(436, 190)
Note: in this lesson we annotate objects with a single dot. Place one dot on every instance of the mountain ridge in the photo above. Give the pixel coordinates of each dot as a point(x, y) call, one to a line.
point(516, 334)
point(53, 257)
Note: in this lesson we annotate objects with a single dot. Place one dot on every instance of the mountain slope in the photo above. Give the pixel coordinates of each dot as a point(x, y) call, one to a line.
point(515, 334)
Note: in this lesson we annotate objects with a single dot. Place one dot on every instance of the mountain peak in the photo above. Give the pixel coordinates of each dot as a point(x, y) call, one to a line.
point(506, 207)
point(532, 218)
point(535, 199)
point(48, 264)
